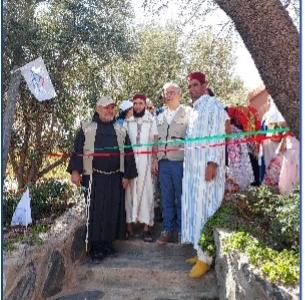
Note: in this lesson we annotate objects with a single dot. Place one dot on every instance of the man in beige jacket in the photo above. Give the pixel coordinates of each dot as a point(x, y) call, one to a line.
point(171, 124)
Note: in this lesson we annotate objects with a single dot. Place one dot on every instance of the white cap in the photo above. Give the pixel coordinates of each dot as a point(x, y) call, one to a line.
point(104, 101)
point(126, 104)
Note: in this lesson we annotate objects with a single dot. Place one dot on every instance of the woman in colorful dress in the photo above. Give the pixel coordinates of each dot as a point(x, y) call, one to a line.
point(239, 175)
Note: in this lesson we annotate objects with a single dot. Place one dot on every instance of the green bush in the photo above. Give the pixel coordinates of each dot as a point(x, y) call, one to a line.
point(31, 237)
point(49, 198)
point(277, 214)
point(227, 214)
point(267, 226)
point(278, 266)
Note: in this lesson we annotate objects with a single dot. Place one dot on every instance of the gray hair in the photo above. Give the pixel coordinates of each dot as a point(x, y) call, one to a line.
point(172, 84)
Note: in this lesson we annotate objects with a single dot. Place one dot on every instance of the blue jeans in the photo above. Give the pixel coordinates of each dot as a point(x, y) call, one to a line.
point(170, 175)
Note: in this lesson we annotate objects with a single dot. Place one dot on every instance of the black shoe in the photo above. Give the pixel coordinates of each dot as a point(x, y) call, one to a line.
point(96, 260)
point(147, 237)
point(130, 235)
point(110, 251)
point(97, 257)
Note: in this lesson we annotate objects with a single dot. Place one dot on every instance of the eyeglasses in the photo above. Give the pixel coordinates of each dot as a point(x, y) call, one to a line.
point(170, 92)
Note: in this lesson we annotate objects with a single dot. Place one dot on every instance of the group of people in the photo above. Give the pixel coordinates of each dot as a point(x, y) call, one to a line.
point(117, 159)
point(279, 154)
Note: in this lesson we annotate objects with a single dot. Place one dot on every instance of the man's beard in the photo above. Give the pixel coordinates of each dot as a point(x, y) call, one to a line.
point(139, 114)
point(107, 119)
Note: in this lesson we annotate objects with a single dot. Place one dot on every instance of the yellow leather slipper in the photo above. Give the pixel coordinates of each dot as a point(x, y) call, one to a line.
point(191, 260)
point(199, 269)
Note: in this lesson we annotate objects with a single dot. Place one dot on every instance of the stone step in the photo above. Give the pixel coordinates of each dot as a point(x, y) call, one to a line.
point(141, 270)
point(139, 248)
point(154, 273)
point(104, 293)
point(155, 230)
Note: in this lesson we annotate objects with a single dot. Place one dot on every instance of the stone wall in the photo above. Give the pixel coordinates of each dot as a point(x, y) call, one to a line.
point(39, 272)
point(237, 279)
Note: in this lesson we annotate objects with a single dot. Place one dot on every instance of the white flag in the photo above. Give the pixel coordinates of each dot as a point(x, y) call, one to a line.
point(22, 214)
point(38, 79)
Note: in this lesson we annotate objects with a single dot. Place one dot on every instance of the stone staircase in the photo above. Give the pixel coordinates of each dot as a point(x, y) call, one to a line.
point(140, 270)
point(58, 270)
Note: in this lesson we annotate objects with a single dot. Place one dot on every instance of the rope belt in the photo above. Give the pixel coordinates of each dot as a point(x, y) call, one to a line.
point(88, 212)
point(105, 172)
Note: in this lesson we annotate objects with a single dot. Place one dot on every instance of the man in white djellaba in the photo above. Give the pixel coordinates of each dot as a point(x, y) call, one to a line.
point(139, 200)
point(203, 181)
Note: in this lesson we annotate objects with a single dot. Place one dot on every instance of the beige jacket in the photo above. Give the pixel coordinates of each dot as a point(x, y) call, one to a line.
point(174, 132)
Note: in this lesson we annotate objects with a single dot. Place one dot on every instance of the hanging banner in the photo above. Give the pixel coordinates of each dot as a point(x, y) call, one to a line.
point(22, 213)
point(38, 79)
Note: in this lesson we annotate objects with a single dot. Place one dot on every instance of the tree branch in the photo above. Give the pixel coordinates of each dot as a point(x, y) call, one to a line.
point(51, 167)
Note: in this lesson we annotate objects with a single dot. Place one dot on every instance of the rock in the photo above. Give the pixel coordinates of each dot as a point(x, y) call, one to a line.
point(238, 280)
point(87, 295)
point(24, 289)
point(78, 243)
point(56, 275)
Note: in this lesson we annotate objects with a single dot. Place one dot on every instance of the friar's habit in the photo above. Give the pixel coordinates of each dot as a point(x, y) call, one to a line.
point(107, 208)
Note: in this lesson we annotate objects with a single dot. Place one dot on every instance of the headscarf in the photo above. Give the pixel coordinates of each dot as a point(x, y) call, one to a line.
point(244, 117)
point(272, 115)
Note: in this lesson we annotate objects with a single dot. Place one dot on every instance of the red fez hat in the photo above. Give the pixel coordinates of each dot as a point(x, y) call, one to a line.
point(201, 77)
point(139, 96)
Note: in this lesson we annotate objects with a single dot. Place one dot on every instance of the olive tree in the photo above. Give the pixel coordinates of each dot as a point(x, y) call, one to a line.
point(76, 40)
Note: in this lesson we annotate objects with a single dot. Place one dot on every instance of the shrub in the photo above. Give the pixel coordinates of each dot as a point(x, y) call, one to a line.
point(277, 266)
point(226, 214)
point(267, 226)
point(49, 198)
point(31, 236)
point(278, 214)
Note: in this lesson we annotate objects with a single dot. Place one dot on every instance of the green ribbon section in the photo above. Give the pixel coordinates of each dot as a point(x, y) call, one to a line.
point(219, 137)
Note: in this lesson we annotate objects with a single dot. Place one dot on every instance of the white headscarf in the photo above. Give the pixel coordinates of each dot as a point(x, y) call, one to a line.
point(272, 115)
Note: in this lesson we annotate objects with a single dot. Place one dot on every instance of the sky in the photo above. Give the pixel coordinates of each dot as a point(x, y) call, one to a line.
point(245, 67)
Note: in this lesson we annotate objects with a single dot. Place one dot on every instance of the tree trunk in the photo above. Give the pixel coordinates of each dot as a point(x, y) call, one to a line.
point(9, 115)
point(273, 41)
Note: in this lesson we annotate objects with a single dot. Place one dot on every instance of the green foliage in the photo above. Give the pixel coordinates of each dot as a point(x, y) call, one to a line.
point(48, 199)
point(31, 236)
point(278, 214)
point(90, 48)
point(155, 61)
point(162, 56)
point(266, 226)
point(76, 39)
point(214, 55)
point(278, 266)
point(226, 214)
